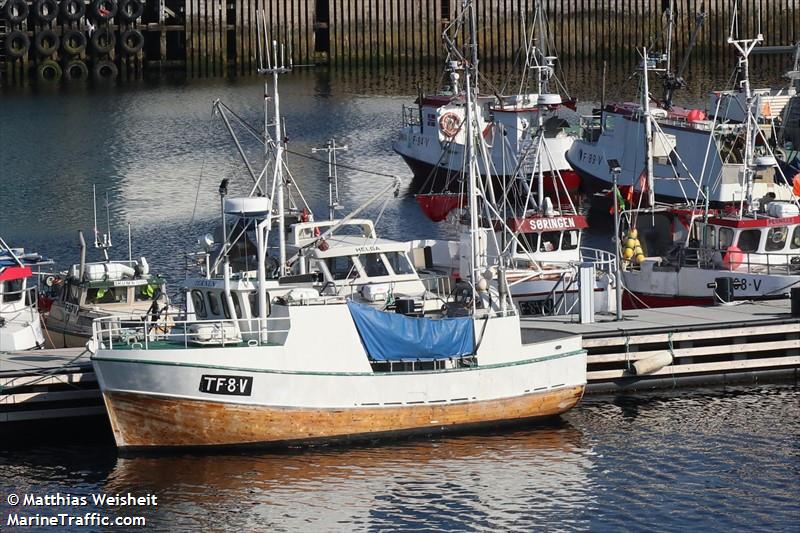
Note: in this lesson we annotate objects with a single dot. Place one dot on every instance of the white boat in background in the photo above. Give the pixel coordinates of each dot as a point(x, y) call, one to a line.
point(700, 255)
point(432, 139)
point(20, 321)
point(328, 369)
point(693, 153)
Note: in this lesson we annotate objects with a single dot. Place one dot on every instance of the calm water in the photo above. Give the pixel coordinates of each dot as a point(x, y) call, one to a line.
point(715, 459)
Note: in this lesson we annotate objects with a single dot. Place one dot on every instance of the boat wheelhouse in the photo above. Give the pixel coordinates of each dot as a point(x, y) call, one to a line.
point(20, 322)
point(543, 253)
point(102, 289)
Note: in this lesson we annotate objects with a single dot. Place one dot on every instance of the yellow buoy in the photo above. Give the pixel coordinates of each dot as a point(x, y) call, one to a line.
point(630, 243)
point(627, 253)
point(640, 259)
point(638, 251)
point(633, 233)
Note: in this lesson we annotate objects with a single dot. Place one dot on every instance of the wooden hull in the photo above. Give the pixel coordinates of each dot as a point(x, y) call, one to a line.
point(145, 421)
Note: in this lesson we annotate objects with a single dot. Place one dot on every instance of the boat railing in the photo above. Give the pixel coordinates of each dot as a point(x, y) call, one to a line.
point(26, 295)
point(686, 123)
point(410, 115)
point(769, 263)
point(163, 332)
point(603, 260)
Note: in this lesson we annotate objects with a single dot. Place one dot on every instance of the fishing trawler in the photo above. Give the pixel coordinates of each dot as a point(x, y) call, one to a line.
point(329, 369)
point(695, 256)
point(108, 288)
point(20, 321)
point(432, 139)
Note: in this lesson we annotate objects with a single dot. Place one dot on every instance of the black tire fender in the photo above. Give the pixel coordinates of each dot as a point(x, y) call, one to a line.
point(45, 10)
point(16, 11)
point(73, 42)
point(103, 40)
point(104, 70)
point(72, 10)
point(131, 41)
point(76, 70)
point(46, 42)
point(17, 44)
point(48, 71)
point(130, 10)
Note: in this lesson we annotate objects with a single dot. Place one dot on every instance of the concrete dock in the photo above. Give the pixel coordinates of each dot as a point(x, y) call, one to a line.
point(683, 346)
point(43, 385)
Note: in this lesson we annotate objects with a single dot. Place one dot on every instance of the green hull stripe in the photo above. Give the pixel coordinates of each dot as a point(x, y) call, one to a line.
point(266, 371)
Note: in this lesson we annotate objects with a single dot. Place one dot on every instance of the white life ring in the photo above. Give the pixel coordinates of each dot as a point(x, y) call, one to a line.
point(449, 123)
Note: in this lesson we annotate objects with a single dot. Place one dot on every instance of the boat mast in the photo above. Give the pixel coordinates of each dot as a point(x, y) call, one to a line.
point(275, 67)
point(670, 30)
point(540, 89)
point(470, 93)
point(648, 128)
point(745, 47)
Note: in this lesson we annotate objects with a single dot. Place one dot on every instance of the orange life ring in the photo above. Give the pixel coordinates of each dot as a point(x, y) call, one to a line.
point(449, 123)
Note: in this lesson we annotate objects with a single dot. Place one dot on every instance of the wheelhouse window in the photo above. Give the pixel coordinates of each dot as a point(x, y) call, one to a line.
point(399, 263)
point(341, 267)
point(748, 240)
point(776, 238)
point(12, 292)
point(199, 304)
point(146, 292)
point(236, 305)
point(107, 295)
point(795, 244)
point(725, 238)
point(213, 303)
point(374, 265)
point(710, 236)
point(572, 240)
point(527, 242)
point(254, 309)
point(550, 241)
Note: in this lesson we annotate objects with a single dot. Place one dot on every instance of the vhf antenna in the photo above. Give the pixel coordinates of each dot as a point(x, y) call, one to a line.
point(105, 243)
point(333, 175)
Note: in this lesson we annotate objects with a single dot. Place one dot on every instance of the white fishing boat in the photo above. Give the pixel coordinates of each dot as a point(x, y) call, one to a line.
point(432, 140)
point(695, 256)
point(693, 152)
point(20, 321)
point(326, 368)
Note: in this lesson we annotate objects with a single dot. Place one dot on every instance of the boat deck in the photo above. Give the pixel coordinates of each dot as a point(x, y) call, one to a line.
point(680, 346)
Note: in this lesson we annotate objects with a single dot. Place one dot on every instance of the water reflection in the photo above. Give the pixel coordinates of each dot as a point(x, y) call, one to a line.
point(509, 480)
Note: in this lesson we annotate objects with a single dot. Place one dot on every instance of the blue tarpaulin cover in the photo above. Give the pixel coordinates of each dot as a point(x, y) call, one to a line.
point(392, 336)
